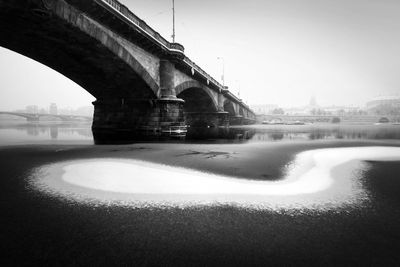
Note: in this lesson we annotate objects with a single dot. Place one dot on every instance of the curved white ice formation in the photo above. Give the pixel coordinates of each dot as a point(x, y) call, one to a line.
point(311, 181)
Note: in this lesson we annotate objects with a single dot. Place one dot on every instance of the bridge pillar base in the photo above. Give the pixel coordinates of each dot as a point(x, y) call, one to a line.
point(207, 125)
point(125, 121)
point(247, 121)
point(170, 118)
point(240, 120)
point(236, 120)
point(33, 119)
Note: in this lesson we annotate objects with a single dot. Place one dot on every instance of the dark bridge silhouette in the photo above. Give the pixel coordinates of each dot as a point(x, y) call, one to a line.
point(144, 85)
point(37, 116)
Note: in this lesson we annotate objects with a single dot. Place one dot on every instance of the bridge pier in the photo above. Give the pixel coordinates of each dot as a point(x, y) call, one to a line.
point(236, 120)
point(124, 120)
point(121, 120)
point(203, 125)
point(248, 121)
point(33, 119)
point(170, 118)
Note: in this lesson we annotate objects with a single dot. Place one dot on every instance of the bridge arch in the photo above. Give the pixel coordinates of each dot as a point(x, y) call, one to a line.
point(241, 112)
point(22, 115)
point(37, 116)
point(76, 46)
point(230, 108)
point(198, 98)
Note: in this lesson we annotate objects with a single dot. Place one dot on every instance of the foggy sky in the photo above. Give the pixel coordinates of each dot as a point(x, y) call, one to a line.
point(275, 51)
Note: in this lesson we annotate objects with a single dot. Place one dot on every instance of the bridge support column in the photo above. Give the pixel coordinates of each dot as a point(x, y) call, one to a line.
point(33, 118)
point(250, 121)
point(203, 125)
point(127, 120)
point(220, 102)
point(168, 115)
point(167, 70)
point(169, 108)
point(236, 120)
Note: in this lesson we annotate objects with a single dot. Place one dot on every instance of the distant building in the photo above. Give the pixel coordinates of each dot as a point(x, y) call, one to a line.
point(341, 110)
point(393, 101)
point(33, 109)
point(313, 102)
point(53, 109)
point(297, 111)
point(312, 108)
point(85, 111)
point(384, 105)
point(263, 109)
point(81, 111)
point(65, 111)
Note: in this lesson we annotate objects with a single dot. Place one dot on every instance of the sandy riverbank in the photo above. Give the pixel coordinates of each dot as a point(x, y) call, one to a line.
point(41, 229)
point(314, 179)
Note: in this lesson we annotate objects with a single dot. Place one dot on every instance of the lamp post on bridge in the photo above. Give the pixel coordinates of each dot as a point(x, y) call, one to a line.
point(238, 87)
point(173, 21)
point(223, 70)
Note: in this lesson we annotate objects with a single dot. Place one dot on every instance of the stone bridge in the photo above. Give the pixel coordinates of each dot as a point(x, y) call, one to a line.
point(144, 85)
point(37, 116)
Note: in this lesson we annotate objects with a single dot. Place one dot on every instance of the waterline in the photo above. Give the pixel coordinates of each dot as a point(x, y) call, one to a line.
point(316, 179)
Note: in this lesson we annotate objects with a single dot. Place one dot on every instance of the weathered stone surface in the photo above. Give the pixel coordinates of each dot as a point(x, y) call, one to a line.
point(207, 125)
point(137, 121)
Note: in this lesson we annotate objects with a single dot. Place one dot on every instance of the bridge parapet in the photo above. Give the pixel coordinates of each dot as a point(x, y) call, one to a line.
point(209, 79)
point(130, 17)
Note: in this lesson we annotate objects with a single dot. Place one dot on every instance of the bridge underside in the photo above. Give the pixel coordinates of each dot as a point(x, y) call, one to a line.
point(202, 116)
point(52, 41)
point(233, 118)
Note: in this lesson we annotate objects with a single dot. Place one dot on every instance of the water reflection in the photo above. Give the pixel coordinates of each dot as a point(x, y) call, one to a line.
point(56, 131)
point(50, 131)
point(312, 181)
point(324, 131)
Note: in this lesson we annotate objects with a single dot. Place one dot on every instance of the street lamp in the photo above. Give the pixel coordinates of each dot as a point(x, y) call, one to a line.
point(223, 70)
point(173, 21)
point(238, 86)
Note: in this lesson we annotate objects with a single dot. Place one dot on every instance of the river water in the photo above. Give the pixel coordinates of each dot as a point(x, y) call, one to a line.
point(64, 132)
point(272, 195)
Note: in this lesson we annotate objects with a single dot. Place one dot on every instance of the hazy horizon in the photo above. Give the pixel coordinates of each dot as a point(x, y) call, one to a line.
point(275, 52)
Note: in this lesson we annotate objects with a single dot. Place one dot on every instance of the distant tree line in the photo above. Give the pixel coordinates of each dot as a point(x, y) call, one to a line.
point(278, 111)
point(386, 109)
point(340, 112)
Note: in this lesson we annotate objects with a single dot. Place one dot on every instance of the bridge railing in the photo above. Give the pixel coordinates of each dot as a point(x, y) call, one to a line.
point(202, 72)
point(138, 22)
